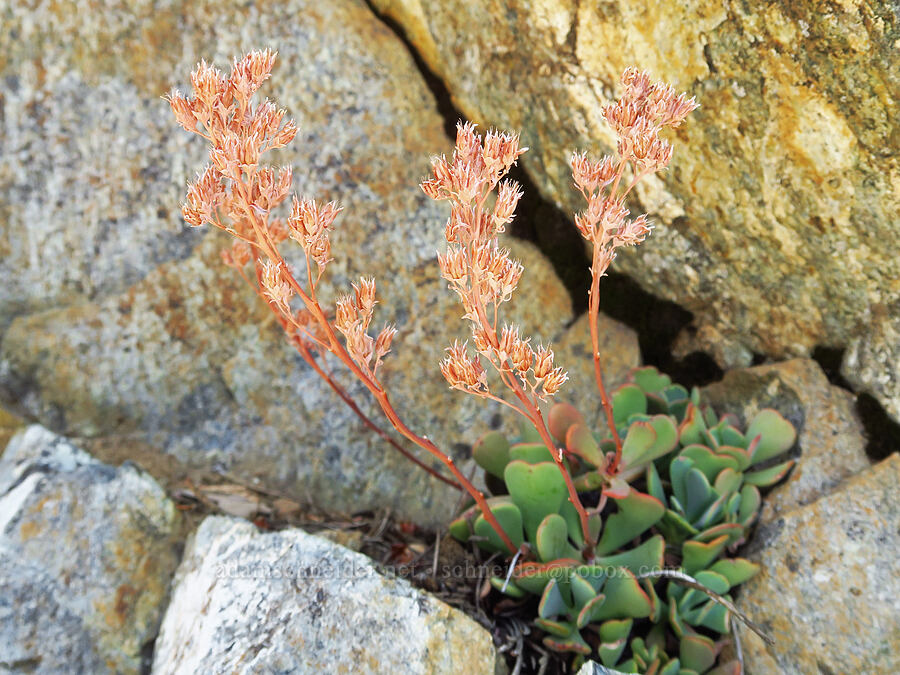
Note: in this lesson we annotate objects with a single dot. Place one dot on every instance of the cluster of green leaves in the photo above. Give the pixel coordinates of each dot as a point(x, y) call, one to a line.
point(686, 492)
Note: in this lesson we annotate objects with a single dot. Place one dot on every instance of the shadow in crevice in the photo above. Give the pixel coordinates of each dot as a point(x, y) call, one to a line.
point(882, 432)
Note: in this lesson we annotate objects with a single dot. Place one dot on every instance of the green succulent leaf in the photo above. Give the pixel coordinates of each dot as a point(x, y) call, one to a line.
point(491, 453)
point(697, 653)
point(461, 528)
point(656, 405)
point(713, 512)
point(552, 539)
point(730, 435)
point(595, 575)
point(560, 418)
point(741, 456)
point(628, 400)
point(698, 555)
point(734, 532)
point(675, 528)
point(580, 441)
point(673, 667)
point(650, 379)
point(558, 628)
point(534, 577)
point(699, 494)
point(510, 519)
point(675, 620)
point(750, 503)
point(709, 462)
point(590, 612)
point(582, 591)
point(711, 615)
point(636, 513)
point(532, 453)
point(643, 558)
point(552, 601)
point(656, 604)
point(729, 480)
point(646, 447)
point(691, 430)
point(572, 642)
point(770, 476)
point(654, 483)
point(777, 434)
point(736, 570)
point(573, 522)
point(507, 588)
point(678, 471)
point(537, 489)
point(613, 640)
point(624, 598)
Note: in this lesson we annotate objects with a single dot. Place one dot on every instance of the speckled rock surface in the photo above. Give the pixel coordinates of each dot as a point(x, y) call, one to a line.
point(778, 216)
point(125, 329)
point(830, 441)
point(246, 602)
point(872, 361)
point(86, 555)
point(829, 589)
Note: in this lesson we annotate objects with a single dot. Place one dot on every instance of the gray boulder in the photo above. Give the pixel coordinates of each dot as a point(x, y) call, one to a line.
point(87, 551)
point(291, 602)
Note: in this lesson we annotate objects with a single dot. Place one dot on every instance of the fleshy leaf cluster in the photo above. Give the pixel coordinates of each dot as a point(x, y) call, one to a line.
point(685, 495)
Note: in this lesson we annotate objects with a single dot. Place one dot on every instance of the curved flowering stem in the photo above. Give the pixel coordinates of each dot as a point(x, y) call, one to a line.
point(645, 108)
point(483, 276)
point(234, 184)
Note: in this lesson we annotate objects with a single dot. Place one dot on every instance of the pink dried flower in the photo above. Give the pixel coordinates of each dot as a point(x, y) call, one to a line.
point(275, 287)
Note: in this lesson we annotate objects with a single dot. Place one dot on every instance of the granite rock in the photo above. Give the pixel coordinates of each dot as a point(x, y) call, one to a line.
point(288, 601)
point(779, 211)
point(872, 361)
point(123, 326)
point(829, 588)
point(86, 555)
point(830, 439)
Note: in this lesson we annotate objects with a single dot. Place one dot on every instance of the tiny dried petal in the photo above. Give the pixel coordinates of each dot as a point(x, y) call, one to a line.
point(508, 196)
point(453, 265)
point(345, 313)
point(468, 143)
point(384, 340)
point(433, 189)
point(365, 295)
point(207, 82)
point(522, 355)
point(553, 381)
point(275, 288)
point(508, 337)
point(482, 342)
point(184, 111)
point(286, 135)
point(543, 362)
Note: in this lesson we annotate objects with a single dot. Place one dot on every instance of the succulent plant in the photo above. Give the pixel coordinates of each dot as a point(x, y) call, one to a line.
point(684, 494)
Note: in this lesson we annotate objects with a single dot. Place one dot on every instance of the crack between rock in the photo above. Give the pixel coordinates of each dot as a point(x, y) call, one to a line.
point(539, 221)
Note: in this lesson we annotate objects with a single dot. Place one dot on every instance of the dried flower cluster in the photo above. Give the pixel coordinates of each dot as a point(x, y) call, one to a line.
point(484, 277)
point(644, 109)
point(479, 270)
point(236, 194)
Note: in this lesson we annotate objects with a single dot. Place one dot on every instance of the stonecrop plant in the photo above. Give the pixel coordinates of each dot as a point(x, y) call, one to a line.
point(622, 532)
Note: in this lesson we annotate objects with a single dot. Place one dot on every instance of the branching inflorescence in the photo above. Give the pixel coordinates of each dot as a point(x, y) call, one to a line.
point(685, 484)
point(237, 194)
